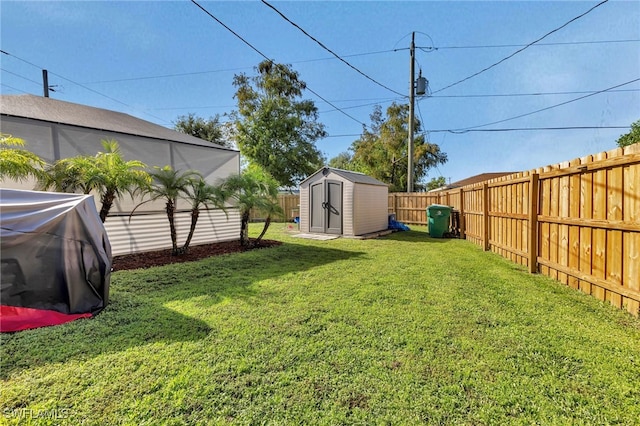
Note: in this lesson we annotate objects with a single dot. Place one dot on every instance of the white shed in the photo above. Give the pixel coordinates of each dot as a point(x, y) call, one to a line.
point(55, 129)
point(341, 202)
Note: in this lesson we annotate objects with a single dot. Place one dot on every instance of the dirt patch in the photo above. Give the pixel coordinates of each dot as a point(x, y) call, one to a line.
point(164, 257)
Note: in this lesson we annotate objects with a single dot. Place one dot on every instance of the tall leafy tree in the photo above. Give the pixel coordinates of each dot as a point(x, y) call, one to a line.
point(15, 162)
point(275, 129)
point(381, 150)
point(632, 137)
point(436, 183)
point(343, 161)
point(107, 173)
point(209, 130)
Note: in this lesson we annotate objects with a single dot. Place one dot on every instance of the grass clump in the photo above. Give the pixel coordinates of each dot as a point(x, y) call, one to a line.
point(403, 329)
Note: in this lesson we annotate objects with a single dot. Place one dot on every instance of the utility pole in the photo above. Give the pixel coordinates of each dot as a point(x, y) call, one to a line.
point(419, 87)
point(45, 82)
point(412, 52)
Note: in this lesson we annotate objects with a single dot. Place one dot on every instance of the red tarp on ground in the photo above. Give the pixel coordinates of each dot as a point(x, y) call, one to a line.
point(13, 318)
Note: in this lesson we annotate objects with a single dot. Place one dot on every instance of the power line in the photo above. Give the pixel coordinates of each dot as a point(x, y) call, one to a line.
point(329, 50)
point(529, 94)
point(186, 74)
point(537, 44)
point(525, 47)
point(18, 75)
point(364, 105)
point(81, 85)
point(269, 59)
point(521, 129)
point(513, 129)
point(12, 88)
point(385, 100)
point(549, 107)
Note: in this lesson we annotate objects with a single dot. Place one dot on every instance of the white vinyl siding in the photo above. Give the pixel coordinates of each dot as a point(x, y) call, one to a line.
point(149, 232)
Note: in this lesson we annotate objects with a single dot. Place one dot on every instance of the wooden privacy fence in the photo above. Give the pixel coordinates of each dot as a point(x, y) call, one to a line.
point(577, 222)
point(290, 204)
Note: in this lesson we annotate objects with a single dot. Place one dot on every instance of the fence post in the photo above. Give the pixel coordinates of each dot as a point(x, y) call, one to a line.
point(485, 216)
point(533, 222)
point(395, 207)
point(462, 229)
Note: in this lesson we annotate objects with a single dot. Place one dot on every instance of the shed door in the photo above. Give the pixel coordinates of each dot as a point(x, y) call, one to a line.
point(326, 207)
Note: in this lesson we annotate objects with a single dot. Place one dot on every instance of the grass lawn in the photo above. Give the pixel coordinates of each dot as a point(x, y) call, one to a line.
point(398, 330)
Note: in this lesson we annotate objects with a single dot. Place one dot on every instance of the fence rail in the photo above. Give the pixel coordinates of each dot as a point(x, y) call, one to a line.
point(290, 205)
point(577, 222)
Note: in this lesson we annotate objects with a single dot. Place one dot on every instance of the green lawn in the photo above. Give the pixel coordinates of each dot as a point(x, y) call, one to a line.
point(398, 330)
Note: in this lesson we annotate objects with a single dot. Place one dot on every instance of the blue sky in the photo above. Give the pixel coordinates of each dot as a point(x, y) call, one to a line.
point(157, 60)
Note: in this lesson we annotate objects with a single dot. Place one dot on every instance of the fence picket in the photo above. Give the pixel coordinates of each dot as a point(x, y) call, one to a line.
point(578, 222)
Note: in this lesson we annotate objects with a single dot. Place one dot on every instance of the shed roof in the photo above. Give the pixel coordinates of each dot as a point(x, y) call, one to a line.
point(62, 112)
point(354, 177)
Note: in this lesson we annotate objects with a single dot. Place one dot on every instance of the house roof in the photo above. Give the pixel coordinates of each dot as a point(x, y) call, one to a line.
point(483, 177)
point(61, 112)
point(479, 178)
point(354, 177)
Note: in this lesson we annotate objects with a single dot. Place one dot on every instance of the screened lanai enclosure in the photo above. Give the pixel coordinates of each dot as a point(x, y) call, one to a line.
point(56, 129)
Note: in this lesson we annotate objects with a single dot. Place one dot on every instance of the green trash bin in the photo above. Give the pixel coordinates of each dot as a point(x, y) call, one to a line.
point(438, 218)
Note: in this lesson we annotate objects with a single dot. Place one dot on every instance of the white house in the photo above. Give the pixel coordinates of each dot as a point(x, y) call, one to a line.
point(56, 129)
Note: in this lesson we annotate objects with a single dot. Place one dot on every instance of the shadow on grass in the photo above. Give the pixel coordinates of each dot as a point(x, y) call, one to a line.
point(138, 315)
point(415, 237)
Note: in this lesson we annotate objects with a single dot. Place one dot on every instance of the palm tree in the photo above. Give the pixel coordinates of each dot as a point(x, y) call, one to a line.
point(65, 175)
point(248, 192)
point(169, 185)
point(107, 173)
point(112, 176)
point(16, 163)
point(199, 193)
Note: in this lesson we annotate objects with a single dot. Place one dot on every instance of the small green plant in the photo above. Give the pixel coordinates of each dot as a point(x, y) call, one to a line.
point(17, 163)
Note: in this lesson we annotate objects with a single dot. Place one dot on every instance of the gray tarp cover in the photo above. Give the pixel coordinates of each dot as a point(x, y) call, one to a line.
point(55, 252)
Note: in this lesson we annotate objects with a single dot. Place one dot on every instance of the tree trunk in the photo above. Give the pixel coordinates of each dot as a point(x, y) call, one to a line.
point(195, 214)
point(170, 209)
point(107, 202)
point(267, 222)
point(244, 229)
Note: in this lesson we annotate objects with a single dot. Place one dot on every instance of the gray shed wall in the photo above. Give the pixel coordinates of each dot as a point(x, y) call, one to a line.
point(364, 206)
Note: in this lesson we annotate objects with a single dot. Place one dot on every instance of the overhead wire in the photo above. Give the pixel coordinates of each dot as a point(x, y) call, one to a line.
point(21, 76)
point(269, 59)
point(522, 49)
point(186, 74)
point(81, 85)
point(537, 44)
point(463, 130)
point(512, 129)
point(522, 129)
point(12, 88)
point(528, 94)
point(329, 50)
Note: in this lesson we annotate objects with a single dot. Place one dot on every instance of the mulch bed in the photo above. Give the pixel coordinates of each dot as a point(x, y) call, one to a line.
point(164, 257)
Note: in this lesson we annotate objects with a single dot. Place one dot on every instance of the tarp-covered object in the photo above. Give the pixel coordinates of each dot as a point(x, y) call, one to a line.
point(55, 258)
